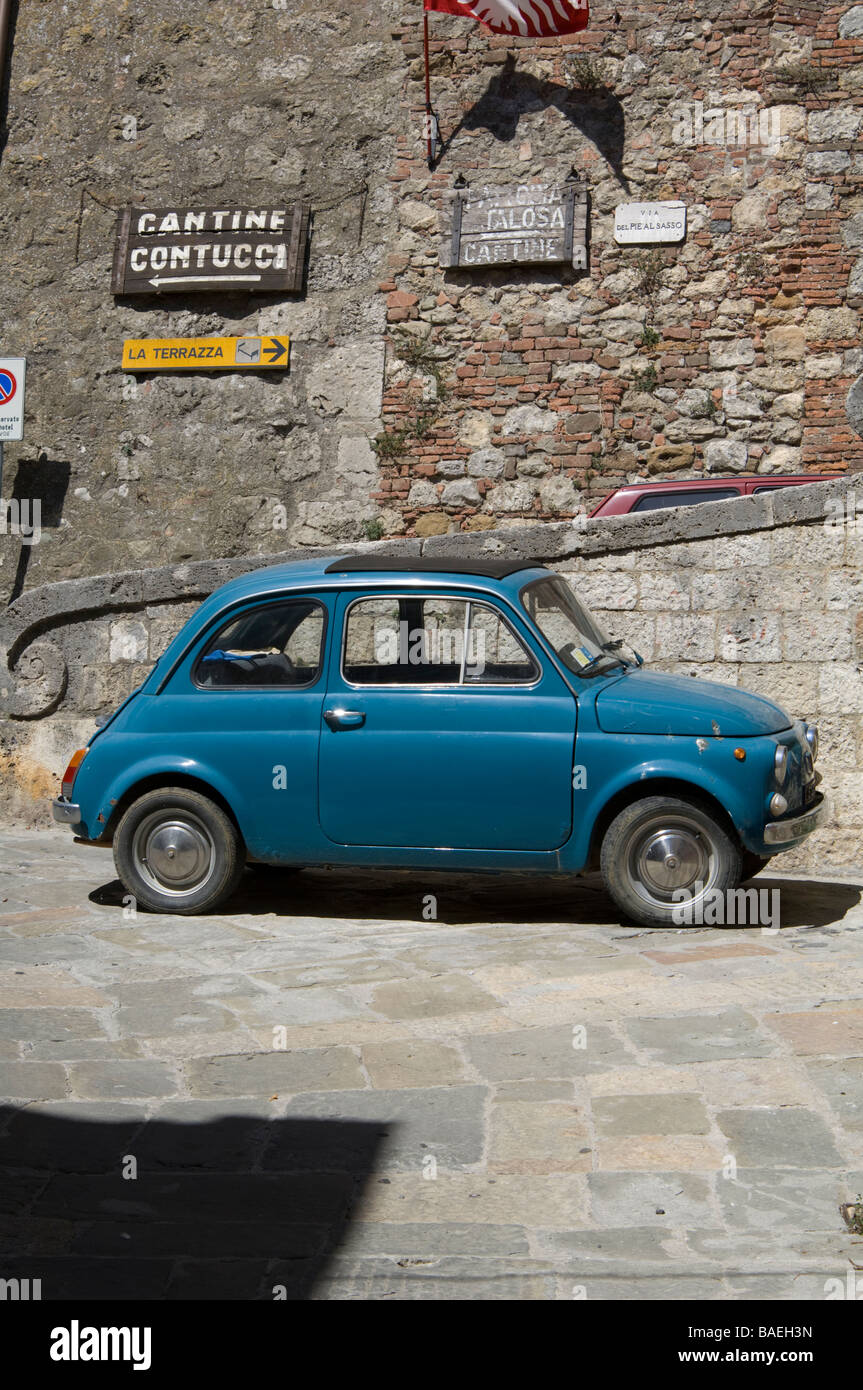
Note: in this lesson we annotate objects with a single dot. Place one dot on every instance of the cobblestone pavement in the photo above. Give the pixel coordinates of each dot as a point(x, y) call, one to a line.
point(323, 1094)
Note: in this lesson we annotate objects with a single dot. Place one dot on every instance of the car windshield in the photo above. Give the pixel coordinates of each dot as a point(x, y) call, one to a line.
point(578, 639)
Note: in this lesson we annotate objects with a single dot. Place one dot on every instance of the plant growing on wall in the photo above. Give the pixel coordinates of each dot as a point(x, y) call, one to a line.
point(806, 77)
point(649, 266)
point(585, 73)
point(419, 353)
point(389, 444)
point(646, 380)
point(422, 424)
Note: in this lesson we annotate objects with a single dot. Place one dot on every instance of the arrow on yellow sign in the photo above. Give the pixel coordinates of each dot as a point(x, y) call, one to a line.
point(206, 354)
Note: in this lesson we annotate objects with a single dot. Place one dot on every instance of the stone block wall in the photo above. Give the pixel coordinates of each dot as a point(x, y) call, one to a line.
point(144, 102)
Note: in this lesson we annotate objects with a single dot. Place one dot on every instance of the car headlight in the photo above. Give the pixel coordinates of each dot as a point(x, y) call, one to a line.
point(780, 764)
point(812, 739)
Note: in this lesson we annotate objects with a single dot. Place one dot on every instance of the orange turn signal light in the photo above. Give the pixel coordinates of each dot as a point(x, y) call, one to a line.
point(71, 772)
point(740, 754)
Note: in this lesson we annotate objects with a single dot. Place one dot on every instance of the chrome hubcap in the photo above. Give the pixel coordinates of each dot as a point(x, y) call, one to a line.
point(174, 852)
point(666, 856)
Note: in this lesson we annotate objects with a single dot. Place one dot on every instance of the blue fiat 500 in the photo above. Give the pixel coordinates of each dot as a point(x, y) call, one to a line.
point(433, 713)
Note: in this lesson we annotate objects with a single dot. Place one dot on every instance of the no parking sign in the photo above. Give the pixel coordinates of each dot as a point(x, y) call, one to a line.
point(12, 374)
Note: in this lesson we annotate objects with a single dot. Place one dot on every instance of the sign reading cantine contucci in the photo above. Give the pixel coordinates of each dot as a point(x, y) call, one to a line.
point(519, 224)
point(184, 250)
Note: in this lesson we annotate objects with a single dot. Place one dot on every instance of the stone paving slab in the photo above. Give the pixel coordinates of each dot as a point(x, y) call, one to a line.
point(321, 1091)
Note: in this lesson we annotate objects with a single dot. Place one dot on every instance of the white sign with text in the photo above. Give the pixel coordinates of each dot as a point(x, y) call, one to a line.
point(641, 222)
point(12, 373)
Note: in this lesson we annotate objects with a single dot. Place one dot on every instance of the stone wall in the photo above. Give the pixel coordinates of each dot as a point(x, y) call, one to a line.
point(147, 102)
point(535, 392)
point(764, 592)
point(420, 400)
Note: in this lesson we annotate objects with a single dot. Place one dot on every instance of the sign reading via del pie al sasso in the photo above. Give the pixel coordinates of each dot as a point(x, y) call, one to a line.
point(184, 250)
point(529, 224)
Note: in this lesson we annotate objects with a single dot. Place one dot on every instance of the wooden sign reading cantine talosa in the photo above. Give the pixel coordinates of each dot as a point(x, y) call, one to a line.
point(519, 224)
point(183, 250)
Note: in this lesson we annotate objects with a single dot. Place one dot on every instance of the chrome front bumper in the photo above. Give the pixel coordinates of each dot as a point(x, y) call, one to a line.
point(66, 812)
point(779, 832)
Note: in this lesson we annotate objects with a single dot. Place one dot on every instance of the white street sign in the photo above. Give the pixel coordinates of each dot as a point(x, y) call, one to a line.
point(12, 373)
point(645, 222)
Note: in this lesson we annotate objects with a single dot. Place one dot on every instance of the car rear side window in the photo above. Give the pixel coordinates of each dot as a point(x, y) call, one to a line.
point(426, 640)
point(654, 500)
point(280, 644)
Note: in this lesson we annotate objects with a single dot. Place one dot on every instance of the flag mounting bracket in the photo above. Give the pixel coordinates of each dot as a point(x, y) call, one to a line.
point(432, 128)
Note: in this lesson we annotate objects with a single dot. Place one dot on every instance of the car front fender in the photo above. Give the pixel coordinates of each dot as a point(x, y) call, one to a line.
point(628, 772)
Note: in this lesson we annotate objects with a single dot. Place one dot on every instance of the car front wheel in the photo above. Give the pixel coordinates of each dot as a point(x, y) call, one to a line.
point(664, 853)
point(752, 864)
point(177, 851)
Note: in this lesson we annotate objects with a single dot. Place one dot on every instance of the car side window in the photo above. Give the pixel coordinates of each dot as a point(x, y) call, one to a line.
point(404, 641)
point(495, 656)
point(280, 644)
point(652, 501)
point(426, 640)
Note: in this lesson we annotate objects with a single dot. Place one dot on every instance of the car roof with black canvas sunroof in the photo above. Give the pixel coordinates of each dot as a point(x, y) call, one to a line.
point(426, 564)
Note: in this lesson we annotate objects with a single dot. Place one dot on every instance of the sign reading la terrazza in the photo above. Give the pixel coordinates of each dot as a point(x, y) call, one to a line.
point(184, 250)
point(528, 224)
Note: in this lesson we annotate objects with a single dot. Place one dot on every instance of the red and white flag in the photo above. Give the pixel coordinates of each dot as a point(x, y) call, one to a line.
point(529, 19)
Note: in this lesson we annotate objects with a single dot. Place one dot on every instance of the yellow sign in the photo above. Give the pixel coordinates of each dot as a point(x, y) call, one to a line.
point(205, 354)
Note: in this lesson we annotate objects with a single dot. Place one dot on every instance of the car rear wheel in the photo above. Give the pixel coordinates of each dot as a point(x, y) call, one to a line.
point(657, 847)
point(177, 851)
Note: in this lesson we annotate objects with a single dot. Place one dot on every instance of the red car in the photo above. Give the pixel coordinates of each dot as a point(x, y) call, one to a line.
point(648, 497)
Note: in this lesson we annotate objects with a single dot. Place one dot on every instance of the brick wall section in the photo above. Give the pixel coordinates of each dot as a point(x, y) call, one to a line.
point(551, 392)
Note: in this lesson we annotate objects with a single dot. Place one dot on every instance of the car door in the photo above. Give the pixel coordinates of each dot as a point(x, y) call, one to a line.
point(243, 712)
point(442, 728)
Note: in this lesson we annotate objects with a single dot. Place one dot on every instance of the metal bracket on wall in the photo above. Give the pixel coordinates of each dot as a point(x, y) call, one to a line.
point(569, 219)
point(461, 193)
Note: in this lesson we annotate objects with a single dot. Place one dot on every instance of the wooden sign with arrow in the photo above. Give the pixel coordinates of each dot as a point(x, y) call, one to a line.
point(269, 353)
point(201, 250)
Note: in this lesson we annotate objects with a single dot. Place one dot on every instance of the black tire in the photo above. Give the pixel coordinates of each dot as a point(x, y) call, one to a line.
point(660, 844)
point(752, 864)
point(177, 851)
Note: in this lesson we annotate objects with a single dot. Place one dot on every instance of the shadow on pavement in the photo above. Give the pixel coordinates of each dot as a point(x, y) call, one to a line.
point(400, 895)
point(462, 899)
point(808, 903)
point(231, 1208)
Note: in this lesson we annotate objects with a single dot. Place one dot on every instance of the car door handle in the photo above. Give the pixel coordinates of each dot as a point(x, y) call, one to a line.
point(345, 718)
